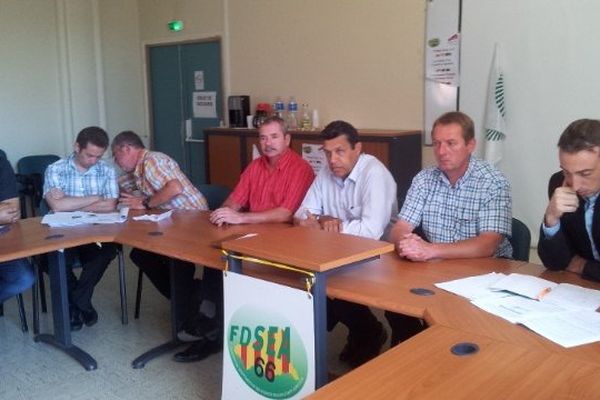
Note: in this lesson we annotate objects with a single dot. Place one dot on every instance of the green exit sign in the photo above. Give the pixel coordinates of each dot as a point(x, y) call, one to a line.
point(175, 25)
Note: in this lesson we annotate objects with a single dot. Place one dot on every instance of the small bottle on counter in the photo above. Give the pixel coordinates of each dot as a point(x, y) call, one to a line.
point(306, 121)
point(292, 114)
point(279, 108)
point(315, 118)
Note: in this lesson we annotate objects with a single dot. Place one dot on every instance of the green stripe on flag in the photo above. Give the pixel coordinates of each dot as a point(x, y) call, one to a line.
point(499, 93)
point(494, 135)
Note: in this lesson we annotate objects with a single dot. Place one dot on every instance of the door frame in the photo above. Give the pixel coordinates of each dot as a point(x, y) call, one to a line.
point(146, 76)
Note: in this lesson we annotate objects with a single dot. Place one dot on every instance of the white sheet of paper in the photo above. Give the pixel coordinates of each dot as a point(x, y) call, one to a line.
point(74, 218)
point(199, 80)
point(525, 285)
point(568, 329)
point(516, 309)
point(154, 217)
point(574, 297)
point(204, 104)
point(472, 287)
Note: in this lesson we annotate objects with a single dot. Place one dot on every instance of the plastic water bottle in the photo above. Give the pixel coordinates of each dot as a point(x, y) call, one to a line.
point(315, 118)
point(292, 115)
point(306, 122)
point(279, 108)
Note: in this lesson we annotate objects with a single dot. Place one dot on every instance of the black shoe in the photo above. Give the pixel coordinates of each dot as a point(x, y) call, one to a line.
point(369, 350)
point(200, 326)
point(89, 317)
point(348, 350)
point(75, 319)
point(199, 351)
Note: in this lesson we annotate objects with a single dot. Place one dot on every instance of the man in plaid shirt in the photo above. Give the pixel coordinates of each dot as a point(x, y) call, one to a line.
point(152, 179)
point(84, 182)
point(462, 205)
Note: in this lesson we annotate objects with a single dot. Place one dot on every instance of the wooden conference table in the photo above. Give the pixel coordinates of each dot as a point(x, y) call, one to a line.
point(512, 361)
point(189, 236)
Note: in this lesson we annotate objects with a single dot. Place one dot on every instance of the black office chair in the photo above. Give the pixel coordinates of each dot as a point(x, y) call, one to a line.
point(520, 240)
point(30, 175)
point(41, 266)
point(215, 195)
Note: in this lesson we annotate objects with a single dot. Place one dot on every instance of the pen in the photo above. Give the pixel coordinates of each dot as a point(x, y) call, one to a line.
point(543, 293)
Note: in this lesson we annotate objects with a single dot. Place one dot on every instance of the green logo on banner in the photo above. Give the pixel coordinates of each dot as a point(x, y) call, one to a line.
point(267, 352)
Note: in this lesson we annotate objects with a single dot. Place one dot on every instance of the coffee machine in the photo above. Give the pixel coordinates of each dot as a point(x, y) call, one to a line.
point(239, 109)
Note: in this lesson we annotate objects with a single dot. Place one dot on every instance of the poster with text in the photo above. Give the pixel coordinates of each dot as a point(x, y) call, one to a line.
point(315, 156)
point(268, 341)
point(204, 104)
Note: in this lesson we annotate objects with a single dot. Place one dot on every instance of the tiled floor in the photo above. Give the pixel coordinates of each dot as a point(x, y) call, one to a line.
point(30, 370)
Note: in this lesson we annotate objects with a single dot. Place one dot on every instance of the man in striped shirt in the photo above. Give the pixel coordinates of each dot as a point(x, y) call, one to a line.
point(154, 180)
point(84, 182)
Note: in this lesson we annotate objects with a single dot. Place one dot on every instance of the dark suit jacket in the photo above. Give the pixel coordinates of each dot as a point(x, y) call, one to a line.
point(572, 238)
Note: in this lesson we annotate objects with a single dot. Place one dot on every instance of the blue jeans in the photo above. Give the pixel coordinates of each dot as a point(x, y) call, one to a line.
point(15, 277)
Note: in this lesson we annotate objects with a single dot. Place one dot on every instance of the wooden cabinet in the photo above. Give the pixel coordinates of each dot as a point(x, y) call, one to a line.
point(229, 150)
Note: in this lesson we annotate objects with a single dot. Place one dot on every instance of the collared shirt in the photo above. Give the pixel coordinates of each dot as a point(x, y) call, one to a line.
point(98, 180)
point(8, 183)
point(589, 205)
point(479, 202)
point(152, 173)
point(262, 187)
point(365, 201)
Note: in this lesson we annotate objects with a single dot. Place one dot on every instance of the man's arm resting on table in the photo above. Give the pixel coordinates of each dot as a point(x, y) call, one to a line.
point(232, 216)
point(105, 205)
point(483, 245)
point(400, 229)
point(70, 203)
point(171, 189)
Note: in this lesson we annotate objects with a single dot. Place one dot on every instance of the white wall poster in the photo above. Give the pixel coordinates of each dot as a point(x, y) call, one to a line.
point(204, 104)
point(314, 155)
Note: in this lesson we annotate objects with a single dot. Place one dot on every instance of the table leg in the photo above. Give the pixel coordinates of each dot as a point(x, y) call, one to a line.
point(320, 307)
point(172, 344)
point(61, 338)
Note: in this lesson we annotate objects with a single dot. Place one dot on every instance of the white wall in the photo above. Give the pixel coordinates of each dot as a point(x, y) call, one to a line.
point(66, 65)
point(551, 66)
point(357, 60)
point(122, 67)
point(30, 101)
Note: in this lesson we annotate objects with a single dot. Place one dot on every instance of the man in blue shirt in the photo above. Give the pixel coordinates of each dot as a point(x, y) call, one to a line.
point(83, 182)
point(17, 275)
point(570, 232)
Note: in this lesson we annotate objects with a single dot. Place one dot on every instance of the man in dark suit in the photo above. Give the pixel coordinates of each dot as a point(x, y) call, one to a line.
point(570, 232)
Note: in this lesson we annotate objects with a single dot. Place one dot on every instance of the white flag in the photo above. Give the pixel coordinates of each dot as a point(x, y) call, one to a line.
point(494, 123)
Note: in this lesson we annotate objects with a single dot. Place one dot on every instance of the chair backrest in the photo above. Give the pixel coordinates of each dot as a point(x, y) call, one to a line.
point(32, 169)
point(215, 194)
point(35, 164)
point(520, 240)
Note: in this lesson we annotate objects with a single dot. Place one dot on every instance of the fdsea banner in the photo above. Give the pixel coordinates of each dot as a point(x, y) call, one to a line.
point(269, 346)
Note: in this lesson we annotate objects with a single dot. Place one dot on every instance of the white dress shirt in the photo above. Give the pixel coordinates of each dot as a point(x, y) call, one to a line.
point(365, 201)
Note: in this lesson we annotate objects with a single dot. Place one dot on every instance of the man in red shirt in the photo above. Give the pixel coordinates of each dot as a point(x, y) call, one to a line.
point(272, 187)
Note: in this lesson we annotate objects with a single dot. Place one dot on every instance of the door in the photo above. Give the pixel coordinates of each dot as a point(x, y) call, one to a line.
point(179, 74)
